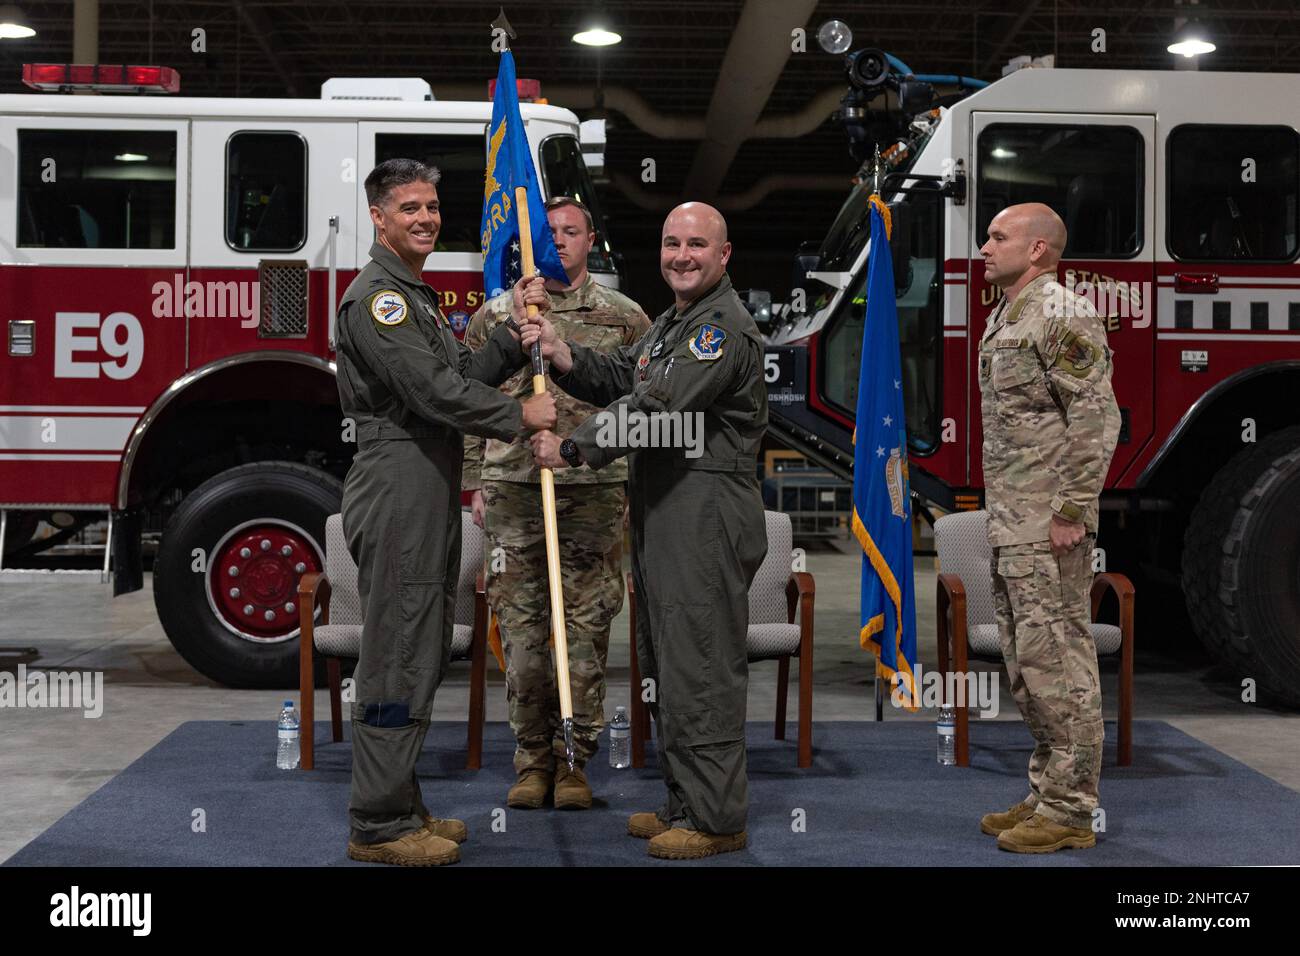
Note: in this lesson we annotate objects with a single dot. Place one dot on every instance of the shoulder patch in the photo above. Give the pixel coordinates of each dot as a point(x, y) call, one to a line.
point(388, 307)
point(707, 344)
point(1076, 355)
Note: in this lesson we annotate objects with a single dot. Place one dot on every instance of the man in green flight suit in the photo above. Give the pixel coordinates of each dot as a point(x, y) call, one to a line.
point(412, 390)
point(698, 530)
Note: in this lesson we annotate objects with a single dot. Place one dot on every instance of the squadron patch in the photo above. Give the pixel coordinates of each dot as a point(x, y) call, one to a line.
point(1076, 356)
point(641, 364)
point(388, 308)
point(459, 321)
point(707, 344)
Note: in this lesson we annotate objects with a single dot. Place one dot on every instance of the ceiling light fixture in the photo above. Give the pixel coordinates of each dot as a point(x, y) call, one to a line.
point(597, 36)
point(13, 25)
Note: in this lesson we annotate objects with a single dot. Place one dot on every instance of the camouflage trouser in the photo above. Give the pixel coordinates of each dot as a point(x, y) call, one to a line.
point(590, 520)
point(1042, 608)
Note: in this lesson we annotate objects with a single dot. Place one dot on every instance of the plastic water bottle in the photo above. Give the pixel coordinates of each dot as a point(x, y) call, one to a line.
point(947, 737)
point(286, 755)
point(620, 740)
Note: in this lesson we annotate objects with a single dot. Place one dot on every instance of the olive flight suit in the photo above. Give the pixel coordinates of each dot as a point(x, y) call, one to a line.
point(698, 533)
point(411, 390)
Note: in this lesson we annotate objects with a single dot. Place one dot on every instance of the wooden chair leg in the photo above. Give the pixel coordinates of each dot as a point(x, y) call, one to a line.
point(782, 692)
point(805, 700)
point(336, 697)
point(307, 696)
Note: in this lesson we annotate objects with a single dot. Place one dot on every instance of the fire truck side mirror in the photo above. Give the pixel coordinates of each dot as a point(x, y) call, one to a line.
point(806, 260)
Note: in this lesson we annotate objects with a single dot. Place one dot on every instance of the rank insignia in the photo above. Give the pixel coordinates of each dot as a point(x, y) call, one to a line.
point(388, 308)
point(707, 344)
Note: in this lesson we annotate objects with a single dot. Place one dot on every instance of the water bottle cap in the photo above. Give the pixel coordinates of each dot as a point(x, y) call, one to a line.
point(620, 710)
point(289, 704)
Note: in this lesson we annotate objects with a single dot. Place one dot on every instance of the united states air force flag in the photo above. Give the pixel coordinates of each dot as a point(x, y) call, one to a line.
point(510, 164)
point(882, 512)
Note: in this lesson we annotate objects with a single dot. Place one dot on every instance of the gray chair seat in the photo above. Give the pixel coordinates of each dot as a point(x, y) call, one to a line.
point(338, 640)
point(984, 639)
point(766, 642)
point(461, 636)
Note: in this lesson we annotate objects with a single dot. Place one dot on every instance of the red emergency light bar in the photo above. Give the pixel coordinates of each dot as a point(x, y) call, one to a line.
point(1196, 282)
point(101, 77)
point(530, 91)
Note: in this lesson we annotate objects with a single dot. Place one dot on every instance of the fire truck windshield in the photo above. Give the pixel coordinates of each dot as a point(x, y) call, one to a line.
point(851, 229)
point(565, 174)
point(918, 285)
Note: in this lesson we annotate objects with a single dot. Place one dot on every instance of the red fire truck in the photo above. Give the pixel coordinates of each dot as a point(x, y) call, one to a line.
point(1181, 194)
point(169, 269)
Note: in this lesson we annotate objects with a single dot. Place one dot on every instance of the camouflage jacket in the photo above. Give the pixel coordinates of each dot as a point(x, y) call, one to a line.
point(1050, 418)
point(591, 315)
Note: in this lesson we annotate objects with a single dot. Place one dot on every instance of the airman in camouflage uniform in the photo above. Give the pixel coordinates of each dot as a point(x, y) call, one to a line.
point(589, 511)
point(1050, 428)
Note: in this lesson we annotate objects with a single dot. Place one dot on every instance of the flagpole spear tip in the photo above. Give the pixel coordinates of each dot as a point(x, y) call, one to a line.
point(876, 164)
point(502, 24)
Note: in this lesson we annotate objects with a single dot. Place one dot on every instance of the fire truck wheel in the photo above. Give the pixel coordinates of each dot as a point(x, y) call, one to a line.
point(1241, 566)
point(19, 529)
point(225, 580)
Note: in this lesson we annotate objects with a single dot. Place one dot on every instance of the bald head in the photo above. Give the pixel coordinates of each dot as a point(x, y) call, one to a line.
point(694, 250)
point(1024, 241)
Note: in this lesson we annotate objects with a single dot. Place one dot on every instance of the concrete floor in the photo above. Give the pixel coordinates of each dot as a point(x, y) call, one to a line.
point(50, 760)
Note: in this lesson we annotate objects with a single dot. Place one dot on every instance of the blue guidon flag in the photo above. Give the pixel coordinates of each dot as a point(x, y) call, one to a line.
point(882, 508)
point(510, 164)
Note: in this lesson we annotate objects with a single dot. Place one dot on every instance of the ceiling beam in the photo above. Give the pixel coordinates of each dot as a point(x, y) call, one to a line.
point(260, 26)
point(755, 59)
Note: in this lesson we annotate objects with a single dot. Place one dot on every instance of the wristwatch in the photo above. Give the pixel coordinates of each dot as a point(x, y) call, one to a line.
point(570, 453)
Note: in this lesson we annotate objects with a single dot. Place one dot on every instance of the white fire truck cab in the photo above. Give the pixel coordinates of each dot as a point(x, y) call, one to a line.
point(169, 270)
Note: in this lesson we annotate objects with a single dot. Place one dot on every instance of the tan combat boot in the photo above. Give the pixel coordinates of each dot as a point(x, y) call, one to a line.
point(682, 844)
point(645, 825)
point(995, 823)
point(418, 848)
point(1041, 835)
point(572, 792)
point(453, 830)
point(530, 791)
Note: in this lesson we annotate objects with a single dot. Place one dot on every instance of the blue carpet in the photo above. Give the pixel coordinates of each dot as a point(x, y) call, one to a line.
point(874, 796)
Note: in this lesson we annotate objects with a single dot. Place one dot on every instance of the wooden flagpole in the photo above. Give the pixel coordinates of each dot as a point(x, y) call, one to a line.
point(558, 631)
